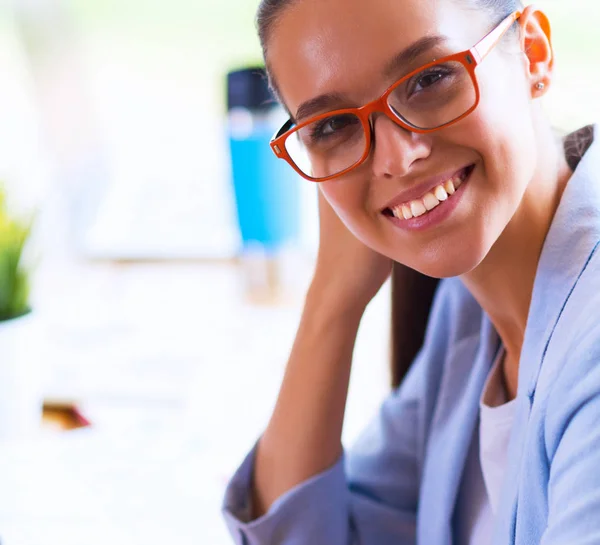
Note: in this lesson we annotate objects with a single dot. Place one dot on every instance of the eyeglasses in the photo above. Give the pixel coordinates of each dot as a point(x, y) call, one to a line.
point(428, 99)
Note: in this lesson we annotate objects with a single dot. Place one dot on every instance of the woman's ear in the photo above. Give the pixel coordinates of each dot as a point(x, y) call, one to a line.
point(536, 43)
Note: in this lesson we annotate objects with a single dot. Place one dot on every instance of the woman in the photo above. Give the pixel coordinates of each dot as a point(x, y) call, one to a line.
point(454, 171)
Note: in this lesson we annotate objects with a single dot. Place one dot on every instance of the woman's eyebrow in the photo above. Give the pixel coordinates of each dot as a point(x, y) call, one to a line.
point(411, 53)
point(320, 103)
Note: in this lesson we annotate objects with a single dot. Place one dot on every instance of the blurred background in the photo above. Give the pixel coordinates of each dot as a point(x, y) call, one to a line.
point(158, 343)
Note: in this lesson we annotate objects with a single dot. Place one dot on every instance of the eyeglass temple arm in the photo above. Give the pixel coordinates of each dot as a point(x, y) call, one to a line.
point(286, 127)
point(483, 47)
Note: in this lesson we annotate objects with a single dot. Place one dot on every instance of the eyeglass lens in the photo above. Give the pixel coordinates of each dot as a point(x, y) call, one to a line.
point(429, 99)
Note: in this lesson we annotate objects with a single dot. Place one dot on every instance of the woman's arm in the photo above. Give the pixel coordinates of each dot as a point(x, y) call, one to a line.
point(369, 494)
point(303, 437)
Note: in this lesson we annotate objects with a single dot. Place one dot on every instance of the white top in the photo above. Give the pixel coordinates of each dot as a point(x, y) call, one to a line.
point(486, 463)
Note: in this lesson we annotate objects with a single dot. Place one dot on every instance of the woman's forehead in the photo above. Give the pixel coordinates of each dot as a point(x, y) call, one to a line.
point(345, 47)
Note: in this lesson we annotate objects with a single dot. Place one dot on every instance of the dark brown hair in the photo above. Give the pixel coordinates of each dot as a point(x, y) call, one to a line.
point(412, 292)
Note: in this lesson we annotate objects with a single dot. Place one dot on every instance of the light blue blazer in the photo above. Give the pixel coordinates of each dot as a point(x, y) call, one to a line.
point(399, 485)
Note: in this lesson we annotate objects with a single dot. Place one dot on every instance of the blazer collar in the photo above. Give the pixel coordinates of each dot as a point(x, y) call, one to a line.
point(573, 235)
point(571, 240)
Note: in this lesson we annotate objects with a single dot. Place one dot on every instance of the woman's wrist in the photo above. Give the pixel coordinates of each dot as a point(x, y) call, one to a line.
point(334, 302)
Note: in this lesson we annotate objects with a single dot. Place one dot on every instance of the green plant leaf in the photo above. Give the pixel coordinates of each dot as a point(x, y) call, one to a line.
point(14, 275)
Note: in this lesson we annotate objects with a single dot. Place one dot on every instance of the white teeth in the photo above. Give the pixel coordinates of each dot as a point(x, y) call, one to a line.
point(417, 208)
point(440, 193)
point(430, 201)
point(449, 187)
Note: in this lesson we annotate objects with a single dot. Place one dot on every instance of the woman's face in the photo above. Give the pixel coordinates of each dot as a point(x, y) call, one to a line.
point(342, 48)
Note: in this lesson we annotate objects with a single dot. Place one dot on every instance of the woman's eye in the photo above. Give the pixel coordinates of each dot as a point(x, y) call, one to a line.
point(426, 80)
point(333, 125)
point(337, 123)
point(429, 79)
point(330, 126)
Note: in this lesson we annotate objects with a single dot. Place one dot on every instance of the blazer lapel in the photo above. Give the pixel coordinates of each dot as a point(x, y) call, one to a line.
point(572, 238)
point(454, 423)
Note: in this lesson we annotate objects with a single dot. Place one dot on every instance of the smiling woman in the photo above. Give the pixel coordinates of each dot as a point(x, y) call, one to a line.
point(422, 125)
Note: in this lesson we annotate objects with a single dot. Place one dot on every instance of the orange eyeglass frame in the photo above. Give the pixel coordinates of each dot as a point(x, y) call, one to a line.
point(470, 58)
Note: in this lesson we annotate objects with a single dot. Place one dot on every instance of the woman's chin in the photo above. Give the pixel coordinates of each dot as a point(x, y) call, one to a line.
point(448, 265)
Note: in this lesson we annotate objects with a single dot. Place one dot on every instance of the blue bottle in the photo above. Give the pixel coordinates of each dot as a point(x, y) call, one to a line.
point(267, 190)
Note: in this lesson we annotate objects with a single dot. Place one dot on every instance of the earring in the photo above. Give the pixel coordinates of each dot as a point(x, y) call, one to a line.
point(540, 86)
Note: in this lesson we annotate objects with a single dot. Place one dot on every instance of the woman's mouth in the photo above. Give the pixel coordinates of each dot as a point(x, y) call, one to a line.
point(432, 207)
point(431, 200)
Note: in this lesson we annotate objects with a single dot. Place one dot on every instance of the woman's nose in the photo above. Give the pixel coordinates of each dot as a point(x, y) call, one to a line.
point(394, 149)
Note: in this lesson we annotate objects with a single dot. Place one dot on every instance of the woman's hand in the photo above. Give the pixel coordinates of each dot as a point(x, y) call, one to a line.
point(346, 268)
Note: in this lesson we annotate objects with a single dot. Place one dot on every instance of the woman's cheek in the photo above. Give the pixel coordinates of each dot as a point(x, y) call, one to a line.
point(348, 201)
